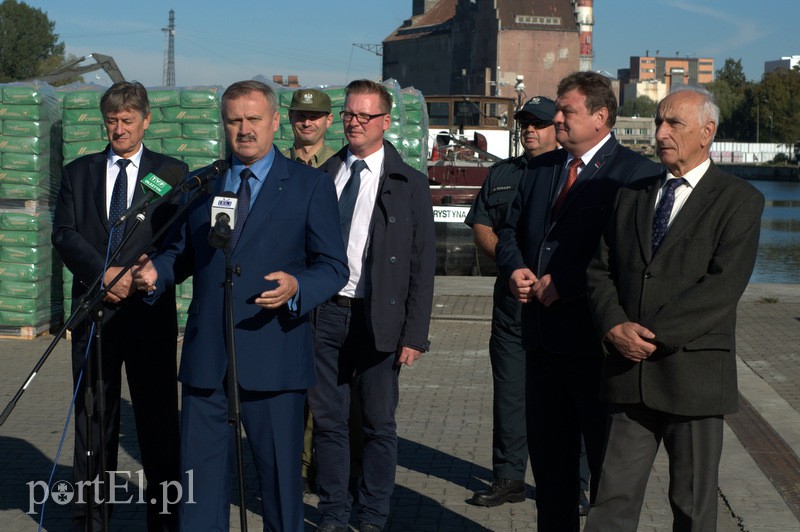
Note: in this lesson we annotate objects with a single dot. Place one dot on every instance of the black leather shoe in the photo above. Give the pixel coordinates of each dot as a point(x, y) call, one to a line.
point(583, 504)
point(503, 490)
point(332, 528)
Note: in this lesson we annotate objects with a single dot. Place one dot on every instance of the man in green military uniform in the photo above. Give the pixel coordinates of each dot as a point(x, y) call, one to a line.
point(487, 216)
point(310, 116)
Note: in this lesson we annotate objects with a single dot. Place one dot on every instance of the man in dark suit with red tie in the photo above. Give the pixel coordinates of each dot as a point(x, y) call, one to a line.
point(95, 189)
point(544, 249)
point(664, 286)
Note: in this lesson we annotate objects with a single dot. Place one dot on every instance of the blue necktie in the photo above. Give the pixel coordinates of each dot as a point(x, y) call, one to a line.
point(347, 200)
point(242, 205)
point(119, 204)
point(664, 210)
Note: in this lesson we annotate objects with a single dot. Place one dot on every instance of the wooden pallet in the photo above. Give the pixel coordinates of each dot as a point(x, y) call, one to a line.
point(23, 333)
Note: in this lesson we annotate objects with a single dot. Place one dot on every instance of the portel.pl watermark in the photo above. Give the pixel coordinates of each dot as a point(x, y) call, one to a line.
point(64, 492)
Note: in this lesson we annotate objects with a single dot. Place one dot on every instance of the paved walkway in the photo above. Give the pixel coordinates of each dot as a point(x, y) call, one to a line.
point(445, 423)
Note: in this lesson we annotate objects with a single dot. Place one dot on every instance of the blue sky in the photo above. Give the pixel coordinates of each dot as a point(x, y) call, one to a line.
point(217, 43)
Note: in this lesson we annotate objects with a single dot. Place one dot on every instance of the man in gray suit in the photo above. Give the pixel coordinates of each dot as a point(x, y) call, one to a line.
point(664, 285)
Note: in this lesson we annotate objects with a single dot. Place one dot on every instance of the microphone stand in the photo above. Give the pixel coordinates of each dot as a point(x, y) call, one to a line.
point(220, 239)
point(94, 362)
point(91, 303)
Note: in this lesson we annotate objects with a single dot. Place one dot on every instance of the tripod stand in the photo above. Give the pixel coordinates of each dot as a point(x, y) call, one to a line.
point(91, 305)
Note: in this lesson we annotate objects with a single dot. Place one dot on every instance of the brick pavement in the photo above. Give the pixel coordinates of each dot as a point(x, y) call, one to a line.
point(444, 422)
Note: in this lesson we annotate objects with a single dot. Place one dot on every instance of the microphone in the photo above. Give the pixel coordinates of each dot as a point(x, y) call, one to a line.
point(202, 177)
point(223, 219)
point(154, 186)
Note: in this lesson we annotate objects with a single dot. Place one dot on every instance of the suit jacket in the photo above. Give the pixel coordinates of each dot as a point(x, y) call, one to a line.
point(686, 294)
point(562, 245)
point(81, 231)
point(401, 255)
point(293, 226)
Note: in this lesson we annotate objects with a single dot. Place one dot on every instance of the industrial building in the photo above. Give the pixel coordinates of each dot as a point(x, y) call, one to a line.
point(654, 76)
point(786, 63)
point(484, 47)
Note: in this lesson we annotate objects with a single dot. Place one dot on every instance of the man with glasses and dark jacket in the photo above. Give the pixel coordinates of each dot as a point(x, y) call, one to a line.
point(379, 321)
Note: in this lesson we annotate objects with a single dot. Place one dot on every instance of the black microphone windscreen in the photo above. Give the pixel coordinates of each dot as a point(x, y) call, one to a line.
point(172, 175)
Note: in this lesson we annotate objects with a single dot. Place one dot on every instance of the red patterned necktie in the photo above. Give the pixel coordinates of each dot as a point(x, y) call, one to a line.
point(572, 176)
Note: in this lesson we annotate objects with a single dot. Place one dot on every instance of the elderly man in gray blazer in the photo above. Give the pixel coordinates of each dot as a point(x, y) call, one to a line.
point(664, 286)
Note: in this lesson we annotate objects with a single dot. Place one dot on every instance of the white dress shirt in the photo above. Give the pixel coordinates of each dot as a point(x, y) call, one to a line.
point(362, 216)
point(112, 170)
point(682, 193)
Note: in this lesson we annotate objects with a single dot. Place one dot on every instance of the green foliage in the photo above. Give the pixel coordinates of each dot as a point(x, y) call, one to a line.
point(732, 73)
point(779, 113)
point(767, 111)
point(734, 118)
point(781, 158)
point(27, 41)
point(641, 106)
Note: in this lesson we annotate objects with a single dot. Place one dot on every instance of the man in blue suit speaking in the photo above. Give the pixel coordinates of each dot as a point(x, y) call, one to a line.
point(289, 256)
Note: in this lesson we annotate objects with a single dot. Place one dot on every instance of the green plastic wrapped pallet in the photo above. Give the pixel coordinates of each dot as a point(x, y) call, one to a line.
point(191, 147)
point(26, 255)
point(82, 132)
point(82, 99)
point(164, 97)
point(17, 319)
point(186, 116)
point(25, 221)
point(25, 272)
point(23, 305)
point(20, 112)
point(22, 94)
point(162, 130)
point(196, 163)
point(24, 289)
point(31, 179)
point(82, 116)
point(73, 150)
point(25, 163)
point(27, 145)
point(25, 128)
point(200, 97)
point(200, 131)
point(24, 238)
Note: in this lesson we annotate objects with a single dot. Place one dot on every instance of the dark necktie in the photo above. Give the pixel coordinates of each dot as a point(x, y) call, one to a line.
point(119, 204)
point(664, 210)
point(242, 205)
point(572, 176)
point(347, 200)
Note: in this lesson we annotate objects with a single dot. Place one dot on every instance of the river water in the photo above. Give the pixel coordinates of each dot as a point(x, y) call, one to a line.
point(779, 248)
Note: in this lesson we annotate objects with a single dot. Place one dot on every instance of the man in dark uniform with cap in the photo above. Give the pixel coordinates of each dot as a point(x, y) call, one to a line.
point(310, 116)
point(488, 213)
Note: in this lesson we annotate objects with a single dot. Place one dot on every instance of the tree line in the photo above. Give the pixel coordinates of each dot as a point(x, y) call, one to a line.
point(750, 111)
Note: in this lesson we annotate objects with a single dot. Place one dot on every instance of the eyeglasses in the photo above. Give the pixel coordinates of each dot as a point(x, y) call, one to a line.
point(537, 124)
point(362, 119)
